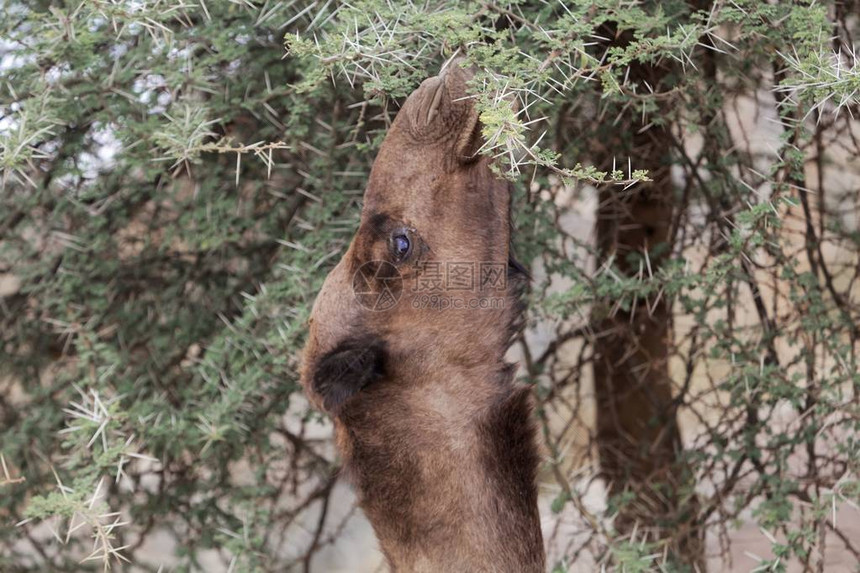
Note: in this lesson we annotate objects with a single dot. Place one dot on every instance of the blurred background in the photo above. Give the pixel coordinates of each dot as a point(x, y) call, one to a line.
point(178, 176)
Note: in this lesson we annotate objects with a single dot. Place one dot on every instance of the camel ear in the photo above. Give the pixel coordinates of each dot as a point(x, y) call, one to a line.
point(470, 140)
point(343, 372)
point(442, 109)
point(456, 79)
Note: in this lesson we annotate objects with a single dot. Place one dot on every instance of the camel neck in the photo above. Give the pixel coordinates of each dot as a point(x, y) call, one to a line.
point(445, 471)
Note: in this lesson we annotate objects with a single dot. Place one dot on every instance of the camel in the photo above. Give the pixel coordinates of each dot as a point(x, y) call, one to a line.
point(435, 434)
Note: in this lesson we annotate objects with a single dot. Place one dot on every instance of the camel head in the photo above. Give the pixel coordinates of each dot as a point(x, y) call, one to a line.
point(424, 281)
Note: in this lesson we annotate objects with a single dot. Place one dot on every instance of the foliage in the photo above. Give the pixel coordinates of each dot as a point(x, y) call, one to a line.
point(178, 177)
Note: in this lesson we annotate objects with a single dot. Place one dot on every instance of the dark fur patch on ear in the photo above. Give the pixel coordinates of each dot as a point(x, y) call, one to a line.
point(470, 140)
point(516, 268)
point(344, 371)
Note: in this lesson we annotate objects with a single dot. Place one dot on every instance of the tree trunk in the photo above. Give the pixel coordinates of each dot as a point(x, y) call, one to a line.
point(638, 440)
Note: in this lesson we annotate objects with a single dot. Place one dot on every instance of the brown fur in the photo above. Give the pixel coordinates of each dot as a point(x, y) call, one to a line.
point(435, 434)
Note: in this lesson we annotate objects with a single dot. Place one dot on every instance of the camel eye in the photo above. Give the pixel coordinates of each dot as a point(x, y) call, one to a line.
point(401, 245)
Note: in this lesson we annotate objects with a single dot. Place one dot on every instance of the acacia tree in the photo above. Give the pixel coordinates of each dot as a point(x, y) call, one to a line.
point(179, 177)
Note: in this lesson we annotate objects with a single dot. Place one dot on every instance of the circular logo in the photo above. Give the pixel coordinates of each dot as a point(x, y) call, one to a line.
point(377, 285)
